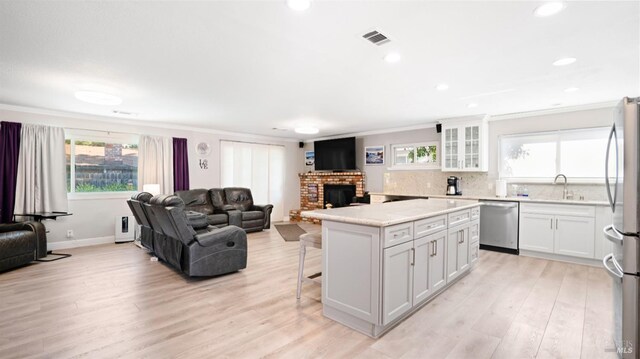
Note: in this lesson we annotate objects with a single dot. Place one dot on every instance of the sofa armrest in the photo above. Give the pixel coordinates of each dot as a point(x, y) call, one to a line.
point(229, 234)
point(267, 208)
point(41, 235)
point(19, 226)
point(235, 218)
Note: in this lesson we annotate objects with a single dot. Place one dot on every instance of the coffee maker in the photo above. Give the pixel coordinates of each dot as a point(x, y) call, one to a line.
point(453, 186)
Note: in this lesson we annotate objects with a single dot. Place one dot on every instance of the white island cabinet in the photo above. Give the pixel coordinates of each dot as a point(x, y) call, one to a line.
point(382, 262)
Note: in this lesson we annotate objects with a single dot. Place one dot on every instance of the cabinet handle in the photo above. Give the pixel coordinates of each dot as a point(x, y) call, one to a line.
point(435, 247)
point(413, 256)
point(556, 223)
point(551, 223)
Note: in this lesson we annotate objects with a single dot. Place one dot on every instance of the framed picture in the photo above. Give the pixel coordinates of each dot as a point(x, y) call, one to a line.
point(309, 158)
point(374, 155)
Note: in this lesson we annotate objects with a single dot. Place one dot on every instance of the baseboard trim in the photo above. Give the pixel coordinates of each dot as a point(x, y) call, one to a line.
point(74, 243)
point(561, 258)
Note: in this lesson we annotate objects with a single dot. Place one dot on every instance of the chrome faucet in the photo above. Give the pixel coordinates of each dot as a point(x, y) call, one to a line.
point(565, 192)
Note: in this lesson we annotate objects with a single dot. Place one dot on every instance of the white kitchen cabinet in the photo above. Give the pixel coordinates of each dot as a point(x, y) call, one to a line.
point(429, 270)
point(397, 281)
point(438, 261)
point(574, 236)
point(536, 232)
point(423, 249)
point(474, 241)
point(374, 276)
point(567, 230)
point(465, 146)
point(457, 251)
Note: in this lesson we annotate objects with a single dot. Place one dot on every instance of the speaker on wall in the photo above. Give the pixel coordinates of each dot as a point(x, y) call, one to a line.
point(301, 144)
point(438, 127)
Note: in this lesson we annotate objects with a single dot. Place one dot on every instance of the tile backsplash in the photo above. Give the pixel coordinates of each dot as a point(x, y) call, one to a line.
point(481, 185)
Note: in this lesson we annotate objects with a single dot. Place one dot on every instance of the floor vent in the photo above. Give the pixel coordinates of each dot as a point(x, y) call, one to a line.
point(376, 38)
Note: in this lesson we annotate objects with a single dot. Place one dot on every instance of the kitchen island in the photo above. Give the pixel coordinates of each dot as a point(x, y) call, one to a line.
point(382, 262)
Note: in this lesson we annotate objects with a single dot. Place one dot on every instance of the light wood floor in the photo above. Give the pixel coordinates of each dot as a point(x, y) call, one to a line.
point(112, 301)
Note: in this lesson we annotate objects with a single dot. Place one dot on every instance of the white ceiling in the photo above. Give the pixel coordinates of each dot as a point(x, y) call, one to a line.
point(248, 66)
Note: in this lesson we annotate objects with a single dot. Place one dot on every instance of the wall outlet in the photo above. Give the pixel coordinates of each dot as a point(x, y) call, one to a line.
point(428, 184)
point(490, 185)
point(69, 233)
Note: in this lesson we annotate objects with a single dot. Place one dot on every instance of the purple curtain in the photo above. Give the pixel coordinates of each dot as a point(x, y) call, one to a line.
point(9, 150)
point(180, 164)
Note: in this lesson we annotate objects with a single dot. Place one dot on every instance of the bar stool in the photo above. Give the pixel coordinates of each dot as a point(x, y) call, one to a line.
point(307, 240)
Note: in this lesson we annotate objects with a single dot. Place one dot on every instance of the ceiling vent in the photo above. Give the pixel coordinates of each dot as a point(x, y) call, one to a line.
point(376, 38)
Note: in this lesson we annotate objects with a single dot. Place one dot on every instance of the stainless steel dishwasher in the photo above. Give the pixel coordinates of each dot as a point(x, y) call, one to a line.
point(499, 226)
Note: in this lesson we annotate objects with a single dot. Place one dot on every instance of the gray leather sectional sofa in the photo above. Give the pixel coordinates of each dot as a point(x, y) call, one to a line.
point(21, 243)
point(185, 240)
point(228, 206)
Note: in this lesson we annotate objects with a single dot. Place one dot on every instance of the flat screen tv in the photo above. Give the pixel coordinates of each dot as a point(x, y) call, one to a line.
point(335, 155)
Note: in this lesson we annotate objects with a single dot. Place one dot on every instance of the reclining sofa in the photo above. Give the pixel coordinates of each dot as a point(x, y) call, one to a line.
point(228, 206)
point(185, 240)
point(21, 243)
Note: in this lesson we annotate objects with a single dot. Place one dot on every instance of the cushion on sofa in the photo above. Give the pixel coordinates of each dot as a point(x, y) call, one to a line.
point(217, 219)
point(250, 215)
point(240, 198)
point(216, 196)
point(197, 200)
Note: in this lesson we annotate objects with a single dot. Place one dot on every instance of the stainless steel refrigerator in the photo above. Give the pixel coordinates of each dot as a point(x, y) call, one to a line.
point(623, 264)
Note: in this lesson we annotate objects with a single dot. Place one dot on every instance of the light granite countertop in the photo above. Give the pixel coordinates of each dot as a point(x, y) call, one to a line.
point(387, 214)
point(509, 199)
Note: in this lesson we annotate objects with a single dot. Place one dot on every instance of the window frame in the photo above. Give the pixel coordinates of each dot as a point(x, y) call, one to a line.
point(415, 166)
point(558, 134)
point(99, 136)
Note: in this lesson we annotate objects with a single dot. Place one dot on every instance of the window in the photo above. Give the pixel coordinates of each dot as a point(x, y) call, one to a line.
point(258, 167)
point(578, 154)
point(97, 164)
point(422, 155)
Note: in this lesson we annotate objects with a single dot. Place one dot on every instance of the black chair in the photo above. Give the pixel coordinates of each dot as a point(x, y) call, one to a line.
point(201, 251)
point(21, 243)
point(136, 205)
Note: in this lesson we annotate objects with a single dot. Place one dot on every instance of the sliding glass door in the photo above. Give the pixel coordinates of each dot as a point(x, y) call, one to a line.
point(258, 167)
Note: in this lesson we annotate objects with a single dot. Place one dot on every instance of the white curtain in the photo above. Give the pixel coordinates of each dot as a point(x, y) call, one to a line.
point(41, 183)
point(258, 167)
point(155, 162)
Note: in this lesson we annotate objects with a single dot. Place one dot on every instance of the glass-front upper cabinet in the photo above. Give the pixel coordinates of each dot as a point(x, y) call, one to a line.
point(465, 146)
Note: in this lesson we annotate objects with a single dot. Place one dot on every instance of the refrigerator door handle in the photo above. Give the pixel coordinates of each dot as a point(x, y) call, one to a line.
point(612, 199)
point(612, 235)
point(615, 272)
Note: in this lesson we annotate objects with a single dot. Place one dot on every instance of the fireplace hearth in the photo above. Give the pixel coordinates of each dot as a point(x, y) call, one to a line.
point(312, 191)
point(338, 195)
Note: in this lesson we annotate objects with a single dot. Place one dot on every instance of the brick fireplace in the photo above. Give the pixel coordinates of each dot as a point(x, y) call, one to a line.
point(312, 186)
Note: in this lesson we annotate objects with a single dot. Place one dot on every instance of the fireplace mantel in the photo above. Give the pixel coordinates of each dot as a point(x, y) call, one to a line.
point(312, 191)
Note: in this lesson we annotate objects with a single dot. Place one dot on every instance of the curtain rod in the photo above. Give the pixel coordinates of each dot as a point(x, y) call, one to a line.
point(253, 143)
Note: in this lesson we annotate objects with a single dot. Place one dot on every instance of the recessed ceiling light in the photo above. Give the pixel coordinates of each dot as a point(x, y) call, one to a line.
point(556, 104)
point(125, 113)
point(564, 61)
point(472, 105)
point(442, 87)
point(549, 8)
point(571, 89)
point(307, 130)
point(299, 5)
point(392, 57)
point(98, 98)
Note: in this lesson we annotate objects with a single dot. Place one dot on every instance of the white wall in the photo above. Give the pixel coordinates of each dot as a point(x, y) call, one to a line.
point(374, 174)
point(525, 124)
point(93, 219)
point(602, 117)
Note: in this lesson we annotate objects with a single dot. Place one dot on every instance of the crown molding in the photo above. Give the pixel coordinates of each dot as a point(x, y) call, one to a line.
point(376, 132)
point(106, 120)
point(552, 111)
